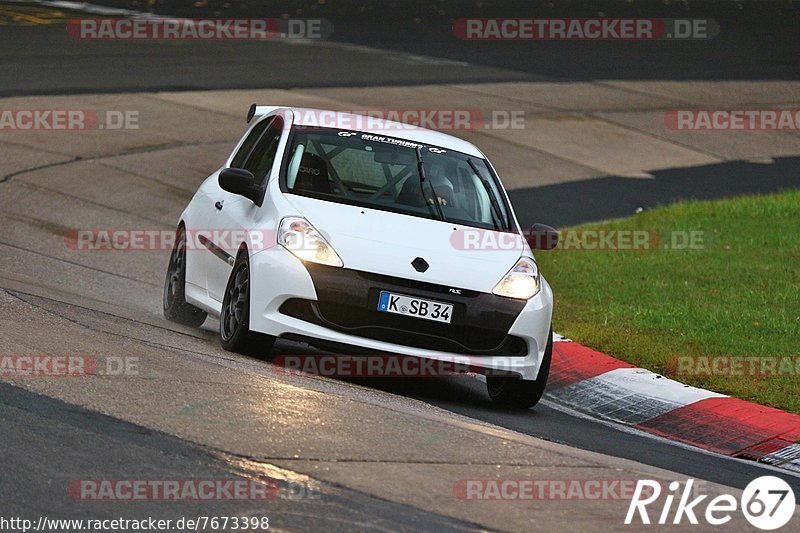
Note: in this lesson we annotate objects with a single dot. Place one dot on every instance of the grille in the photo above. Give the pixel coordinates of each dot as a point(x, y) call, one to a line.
point(348, 299)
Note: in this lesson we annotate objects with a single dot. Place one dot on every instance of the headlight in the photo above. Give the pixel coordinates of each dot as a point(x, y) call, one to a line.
point(297, 235)
point(522, 281)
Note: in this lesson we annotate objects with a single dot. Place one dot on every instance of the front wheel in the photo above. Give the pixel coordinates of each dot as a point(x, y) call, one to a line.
point(516, 393)
point(234, 320)
point(174, 302)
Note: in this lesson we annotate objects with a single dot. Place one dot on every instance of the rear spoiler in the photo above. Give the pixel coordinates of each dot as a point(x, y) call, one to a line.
point(260, 110)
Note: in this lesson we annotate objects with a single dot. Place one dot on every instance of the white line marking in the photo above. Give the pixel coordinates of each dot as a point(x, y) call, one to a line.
point(787, 458)
point(560, 338)
point(629, 395)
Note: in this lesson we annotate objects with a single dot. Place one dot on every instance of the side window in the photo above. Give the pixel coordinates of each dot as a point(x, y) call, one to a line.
point(263, 155)
point(247, 146)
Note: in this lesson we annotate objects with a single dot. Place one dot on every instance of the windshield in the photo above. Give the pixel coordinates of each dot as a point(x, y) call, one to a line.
point(383, 172)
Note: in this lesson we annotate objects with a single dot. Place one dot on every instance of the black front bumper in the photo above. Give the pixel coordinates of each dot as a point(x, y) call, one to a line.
point(348, 302)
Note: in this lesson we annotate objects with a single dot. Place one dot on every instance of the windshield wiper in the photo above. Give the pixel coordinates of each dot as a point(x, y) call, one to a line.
point(422, 180)
point(490, 192)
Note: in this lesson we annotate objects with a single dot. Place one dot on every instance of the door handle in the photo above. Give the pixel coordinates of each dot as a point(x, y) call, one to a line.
point(218, 205)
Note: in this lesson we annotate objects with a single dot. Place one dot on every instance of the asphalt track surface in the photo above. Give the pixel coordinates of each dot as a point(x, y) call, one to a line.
point(127, 451)
point(73, 440)
point(758, 40)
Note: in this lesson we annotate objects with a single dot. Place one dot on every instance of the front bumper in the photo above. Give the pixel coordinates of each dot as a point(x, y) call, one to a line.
point(338, 307)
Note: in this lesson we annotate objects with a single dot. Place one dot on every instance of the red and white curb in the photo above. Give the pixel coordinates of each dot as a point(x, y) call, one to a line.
point(601, 386)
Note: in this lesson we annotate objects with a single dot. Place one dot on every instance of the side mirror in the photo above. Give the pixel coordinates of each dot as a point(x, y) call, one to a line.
point(542, 237)
point(240, 181)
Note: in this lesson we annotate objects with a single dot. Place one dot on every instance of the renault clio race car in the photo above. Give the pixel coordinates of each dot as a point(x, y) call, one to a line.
point(356, 234)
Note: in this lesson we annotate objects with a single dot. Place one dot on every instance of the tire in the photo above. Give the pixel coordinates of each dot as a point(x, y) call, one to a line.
point(514, 393)
point(174, 301)
point(234, 319)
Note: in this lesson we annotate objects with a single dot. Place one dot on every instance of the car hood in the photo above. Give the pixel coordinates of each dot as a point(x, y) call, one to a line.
point(386, 243)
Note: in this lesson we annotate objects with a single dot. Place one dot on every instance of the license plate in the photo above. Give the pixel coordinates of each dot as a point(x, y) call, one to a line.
point(400, 304)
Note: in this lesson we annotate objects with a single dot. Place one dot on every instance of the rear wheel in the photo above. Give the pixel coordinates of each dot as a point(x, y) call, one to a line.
point(516, 393)
point(234, 320)
point(174, 301)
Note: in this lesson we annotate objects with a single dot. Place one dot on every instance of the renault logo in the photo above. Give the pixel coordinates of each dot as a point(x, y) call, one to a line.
point(420, 265)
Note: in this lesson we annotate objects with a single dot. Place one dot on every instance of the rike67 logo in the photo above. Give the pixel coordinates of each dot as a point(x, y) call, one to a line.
point(767, 502)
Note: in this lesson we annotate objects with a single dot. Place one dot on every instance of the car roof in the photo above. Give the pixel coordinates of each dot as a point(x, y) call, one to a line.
point(307, 116)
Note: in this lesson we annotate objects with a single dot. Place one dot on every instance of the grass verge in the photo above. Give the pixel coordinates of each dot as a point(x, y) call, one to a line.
point(721, 314)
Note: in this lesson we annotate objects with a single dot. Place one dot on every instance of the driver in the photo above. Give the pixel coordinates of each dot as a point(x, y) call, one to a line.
point(442, 186)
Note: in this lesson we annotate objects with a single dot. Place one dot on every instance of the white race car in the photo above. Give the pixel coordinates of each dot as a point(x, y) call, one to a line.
point(384, 238)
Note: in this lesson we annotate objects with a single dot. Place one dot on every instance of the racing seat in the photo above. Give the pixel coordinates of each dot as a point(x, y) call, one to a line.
point(411, 193)
point(312, 176)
